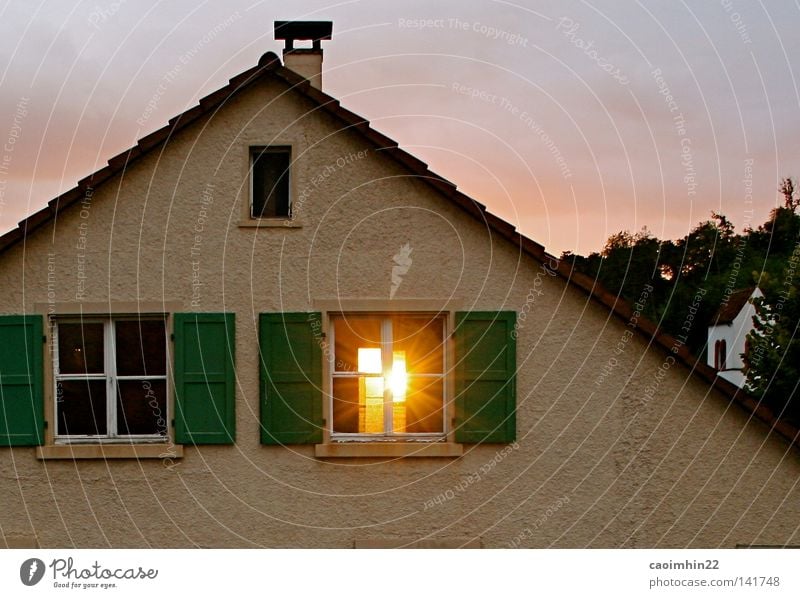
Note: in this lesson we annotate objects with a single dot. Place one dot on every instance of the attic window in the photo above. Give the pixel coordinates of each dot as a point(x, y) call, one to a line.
point(269, 177)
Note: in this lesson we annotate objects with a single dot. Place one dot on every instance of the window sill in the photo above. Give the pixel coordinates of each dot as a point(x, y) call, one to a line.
point(109, 451)
point(270, 223)
point(335, 450)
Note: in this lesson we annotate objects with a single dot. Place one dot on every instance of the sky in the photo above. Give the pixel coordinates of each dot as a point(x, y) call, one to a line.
point(571, 120)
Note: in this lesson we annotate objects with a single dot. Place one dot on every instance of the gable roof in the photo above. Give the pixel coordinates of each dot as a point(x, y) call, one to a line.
point(728, 311)
point(270, 66)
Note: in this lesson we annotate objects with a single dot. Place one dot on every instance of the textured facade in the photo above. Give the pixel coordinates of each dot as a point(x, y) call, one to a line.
point(618, 444)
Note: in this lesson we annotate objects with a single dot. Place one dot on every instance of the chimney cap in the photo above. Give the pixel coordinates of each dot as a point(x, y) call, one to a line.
point(313, 30)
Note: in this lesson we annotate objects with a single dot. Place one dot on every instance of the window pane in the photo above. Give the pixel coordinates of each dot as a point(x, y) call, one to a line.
point(141, 347)
point(352, 334)
point(271, 183)
point(358, 405)
point(345, 405)
point(142, 407)
point(80, 348)
point(421, 339)
point(424, 406)
point(81, 407)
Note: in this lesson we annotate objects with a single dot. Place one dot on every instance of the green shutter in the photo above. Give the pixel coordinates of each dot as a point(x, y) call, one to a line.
point(291, 378)
point(21, 386)
point(486, 361)
point(205, 378)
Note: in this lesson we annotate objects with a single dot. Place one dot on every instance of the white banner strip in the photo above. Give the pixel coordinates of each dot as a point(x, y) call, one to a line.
point(400, 573)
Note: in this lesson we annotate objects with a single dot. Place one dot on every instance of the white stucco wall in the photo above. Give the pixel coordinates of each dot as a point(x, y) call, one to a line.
point(735, 335)
point(617, 444)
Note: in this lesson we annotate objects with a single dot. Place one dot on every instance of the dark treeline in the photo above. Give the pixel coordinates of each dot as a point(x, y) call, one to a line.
point(701, 271)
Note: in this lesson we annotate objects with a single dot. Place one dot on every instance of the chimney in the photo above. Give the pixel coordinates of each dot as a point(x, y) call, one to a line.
point(306, 62)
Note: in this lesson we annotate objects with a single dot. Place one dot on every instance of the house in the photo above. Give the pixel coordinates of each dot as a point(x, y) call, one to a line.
point(266, 325)
point(727, 335)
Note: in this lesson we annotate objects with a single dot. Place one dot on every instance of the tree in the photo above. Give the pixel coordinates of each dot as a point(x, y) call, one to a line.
point(772, 359)
point(708, 248)
point(780, 231)
point(790, 202)
point(711, 261)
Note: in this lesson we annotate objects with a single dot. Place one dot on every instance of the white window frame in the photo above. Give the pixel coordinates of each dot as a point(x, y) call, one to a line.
point(111, 378)
point(387, 356)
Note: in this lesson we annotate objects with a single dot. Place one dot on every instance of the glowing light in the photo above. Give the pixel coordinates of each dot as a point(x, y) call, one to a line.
point(369, 361)
point(373, 387)
point(398, 379)
point(371, 391)
point(373, 405)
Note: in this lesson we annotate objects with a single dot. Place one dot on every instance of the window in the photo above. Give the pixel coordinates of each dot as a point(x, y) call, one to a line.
point(386, 380)
point(388, 376)
point(110, 378)
point(721, 355)
point(269, 182)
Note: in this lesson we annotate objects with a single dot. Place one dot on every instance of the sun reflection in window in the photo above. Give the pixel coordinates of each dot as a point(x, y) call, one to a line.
point(371, 390)
point(398, 379)
point(369, 361)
